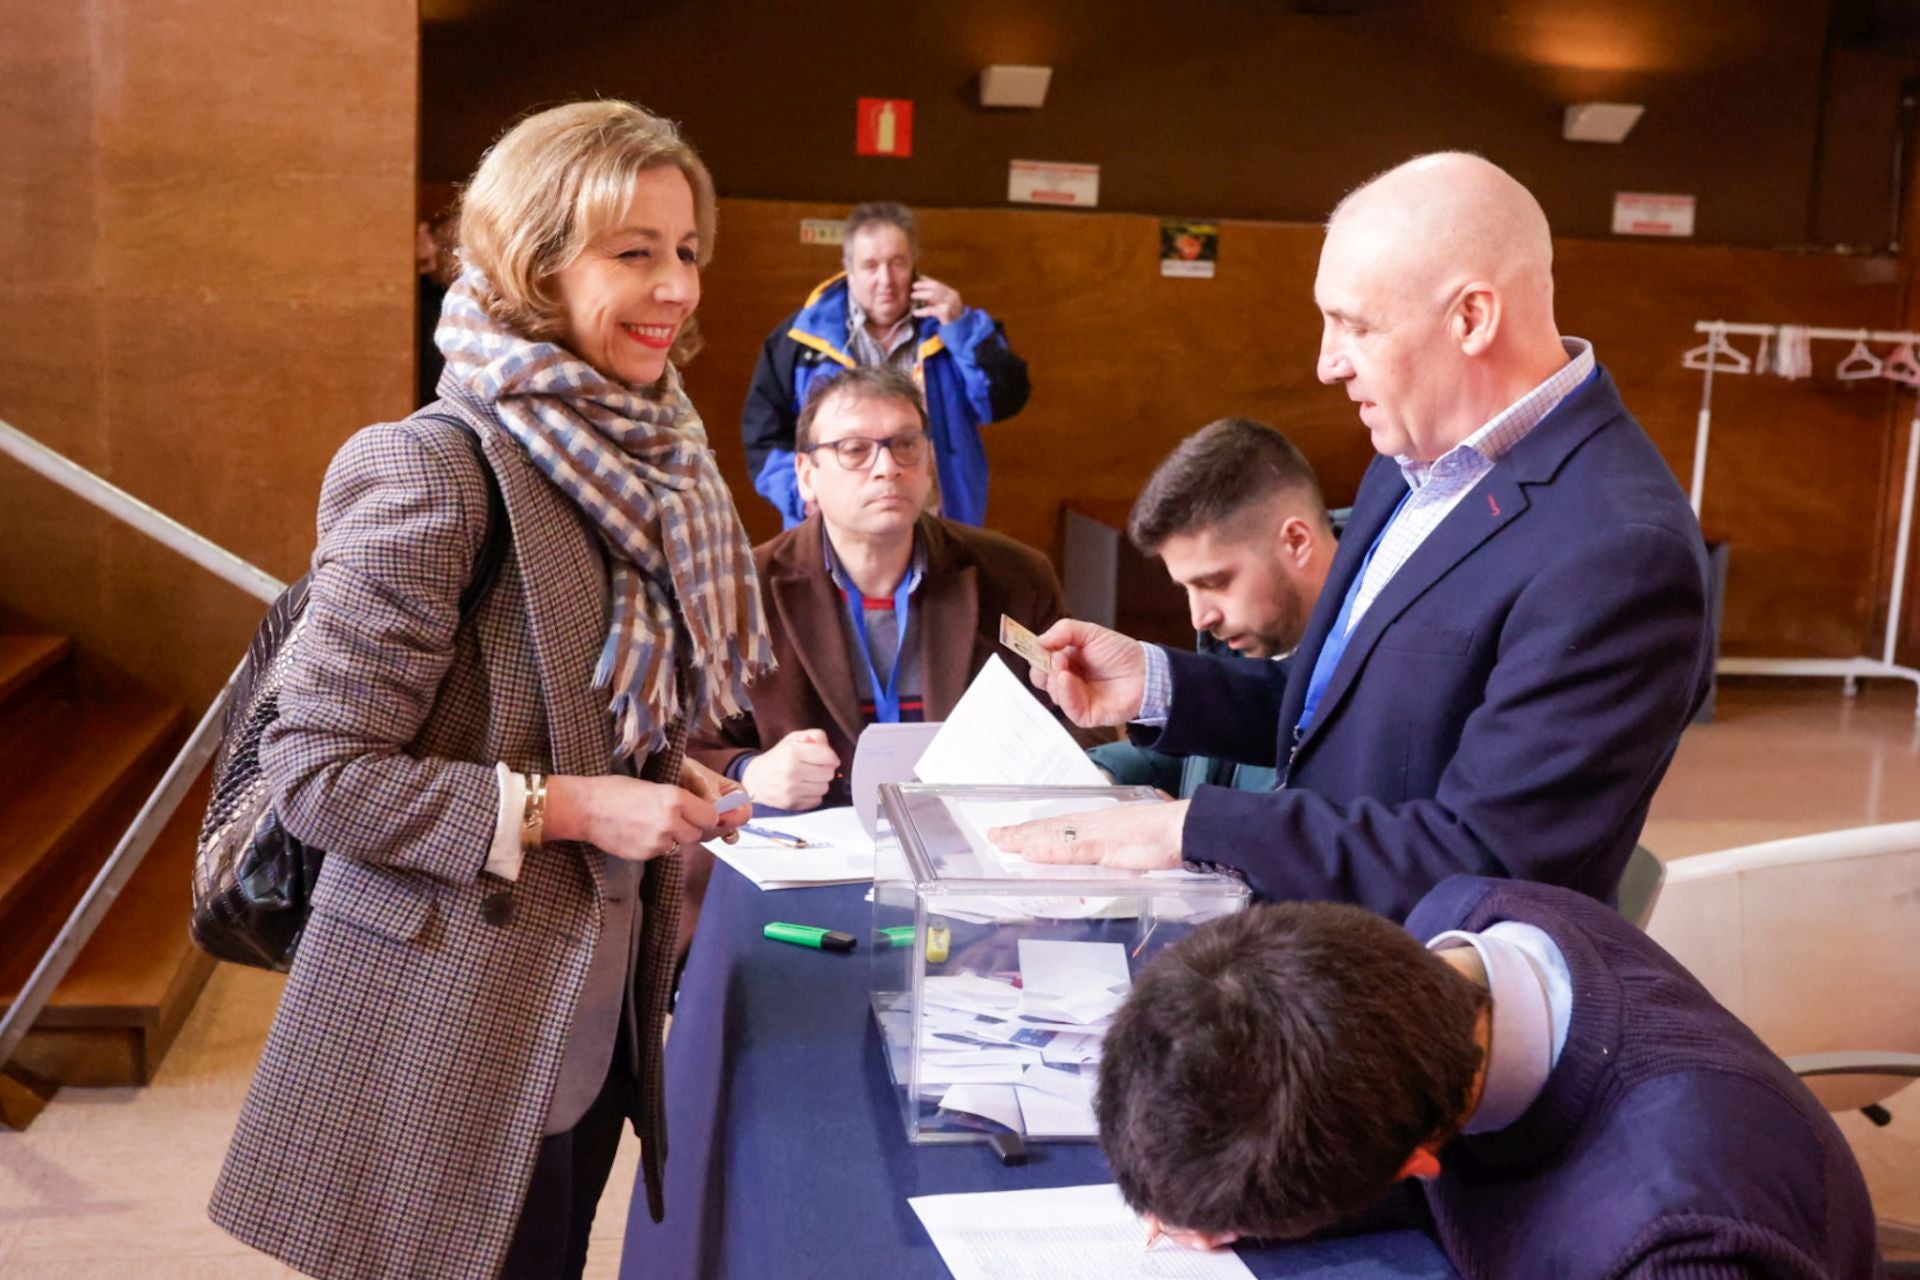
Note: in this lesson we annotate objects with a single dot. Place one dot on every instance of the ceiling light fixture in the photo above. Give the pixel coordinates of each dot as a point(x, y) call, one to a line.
point(1600, 121)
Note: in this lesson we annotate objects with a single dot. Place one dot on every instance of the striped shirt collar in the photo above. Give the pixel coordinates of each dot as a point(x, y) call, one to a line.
point(1511, 425)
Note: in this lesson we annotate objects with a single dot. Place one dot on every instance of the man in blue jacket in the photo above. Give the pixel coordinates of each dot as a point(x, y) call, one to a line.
point(1514, 632)
point(1574, 1103)
point(1236, 516)
point(881, 311)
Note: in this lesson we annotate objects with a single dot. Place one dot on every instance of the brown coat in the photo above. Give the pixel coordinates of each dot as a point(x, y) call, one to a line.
point(392, 1124)
point(973, 576)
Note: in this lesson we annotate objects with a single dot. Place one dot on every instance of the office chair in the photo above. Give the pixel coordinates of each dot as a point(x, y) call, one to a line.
point(1811, 942)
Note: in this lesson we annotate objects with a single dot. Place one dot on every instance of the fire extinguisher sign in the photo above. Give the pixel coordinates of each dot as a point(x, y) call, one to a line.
point(884, 127)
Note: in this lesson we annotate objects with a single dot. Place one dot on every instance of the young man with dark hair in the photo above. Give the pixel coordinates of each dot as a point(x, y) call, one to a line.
point(1235, 514)
point(880, 312)
point(1574, 1102)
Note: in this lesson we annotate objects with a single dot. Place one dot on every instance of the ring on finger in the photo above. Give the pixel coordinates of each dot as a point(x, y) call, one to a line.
point(1069, 835)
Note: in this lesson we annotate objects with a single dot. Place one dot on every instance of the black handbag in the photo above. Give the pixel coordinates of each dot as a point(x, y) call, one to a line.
point(252, 879)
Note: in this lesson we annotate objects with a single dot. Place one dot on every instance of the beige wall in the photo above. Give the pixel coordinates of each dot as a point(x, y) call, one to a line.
point(206, 283)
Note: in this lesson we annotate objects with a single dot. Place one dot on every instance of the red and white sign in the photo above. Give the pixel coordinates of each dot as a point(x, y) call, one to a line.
point(1637, 213)
point(884, 127)
point(1075, 186)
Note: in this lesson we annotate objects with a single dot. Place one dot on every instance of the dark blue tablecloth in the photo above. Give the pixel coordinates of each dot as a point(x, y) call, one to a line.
point(787, 1157)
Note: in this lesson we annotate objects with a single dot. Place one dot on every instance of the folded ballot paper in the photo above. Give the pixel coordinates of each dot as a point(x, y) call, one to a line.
point(1025, 1056)
point(838, 850)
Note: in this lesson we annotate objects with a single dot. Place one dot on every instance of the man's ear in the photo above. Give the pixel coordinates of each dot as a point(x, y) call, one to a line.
point(1294, 541)
point(1476, 318)
point(803, 476)
point(1424, 1163)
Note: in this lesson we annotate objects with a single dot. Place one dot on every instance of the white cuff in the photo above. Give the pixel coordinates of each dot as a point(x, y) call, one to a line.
point(503, 859)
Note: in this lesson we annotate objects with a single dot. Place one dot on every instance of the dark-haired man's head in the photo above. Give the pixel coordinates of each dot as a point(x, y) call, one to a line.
point(1235, 514)
point(862, 454)
point(1279, 1070)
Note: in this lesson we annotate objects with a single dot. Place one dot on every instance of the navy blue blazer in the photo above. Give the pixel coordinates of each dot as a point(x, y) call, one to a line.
point(1668, 1140)
point(1506, 705)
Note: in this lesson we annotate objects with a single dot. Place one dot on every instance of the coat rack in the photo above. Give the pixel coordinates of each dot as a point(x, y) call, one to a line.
point(1717, 355)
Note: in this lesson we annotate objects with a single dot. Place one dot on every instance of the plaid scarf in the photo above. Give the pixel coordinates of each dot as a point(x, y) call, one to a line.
point(636, 462)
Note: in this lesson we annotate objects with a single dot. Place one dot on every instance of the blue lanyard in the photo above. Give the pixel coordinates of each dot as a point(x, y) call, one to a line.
point(886, 702)
point(1335, 644)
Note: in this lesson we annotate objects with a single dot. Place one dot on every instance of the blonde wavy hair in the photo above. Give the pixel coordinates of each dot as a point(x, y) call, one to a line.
point(552, 184)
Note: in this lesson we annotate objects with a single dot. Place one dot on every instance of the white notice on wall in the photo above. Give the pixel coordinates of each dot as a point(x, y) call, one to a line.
point(822, 231)
point(1042, 182)
point(1638, 213)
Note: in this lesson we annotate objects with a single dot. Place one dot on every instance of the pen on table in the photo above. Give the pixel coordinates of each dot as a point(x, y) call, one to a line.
point(778, 837)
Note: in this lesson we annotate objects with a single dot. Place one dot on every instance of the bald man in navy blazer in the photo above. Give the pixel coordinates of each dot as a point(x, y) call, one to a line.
point(1513, 634)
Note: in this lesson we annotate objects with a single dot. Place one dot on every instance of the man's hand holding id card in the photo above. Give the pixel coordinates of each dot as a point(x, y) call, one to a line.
point(1026, 644)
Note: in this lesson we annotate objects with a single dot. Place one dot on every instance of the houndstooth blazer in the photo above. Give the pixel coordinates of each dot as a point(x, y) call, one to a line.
point(392, 1125)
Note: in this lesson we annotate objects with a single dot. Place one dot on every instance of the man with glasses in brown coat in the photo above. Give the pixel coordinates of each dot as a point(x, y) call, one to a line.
point(880, 612)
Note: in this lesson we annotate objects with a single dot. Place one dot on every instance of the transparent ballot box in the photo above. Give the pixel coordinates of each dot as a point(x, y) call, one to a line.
point(995, 978)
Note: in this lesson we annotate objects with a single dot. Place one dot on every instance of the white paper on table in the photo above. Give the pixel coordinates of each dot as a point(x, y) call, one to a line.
point(1058, 1233)
point(1055, 1116)
point(1000, 734)
point(838, 851)
point(994, 1101)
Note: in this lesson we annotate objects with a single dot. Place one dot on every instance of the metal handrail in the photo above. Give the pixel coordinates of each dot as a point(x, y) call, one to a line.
point(165, 798)
point(123, 506)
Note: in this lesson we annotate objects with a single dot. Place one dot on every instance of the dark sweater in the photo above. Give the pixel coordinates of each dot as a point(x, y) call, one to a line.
point(1668, 1144)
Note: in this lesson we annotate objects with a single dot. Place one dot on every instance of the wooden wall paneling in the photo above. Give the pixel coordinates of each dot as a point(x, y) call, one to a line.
point(219, 231)
point(1795, 469)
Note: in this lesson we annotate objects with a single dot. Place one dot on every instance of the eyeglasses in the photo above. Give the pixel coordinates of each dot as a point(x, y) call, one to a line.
point(856, 453)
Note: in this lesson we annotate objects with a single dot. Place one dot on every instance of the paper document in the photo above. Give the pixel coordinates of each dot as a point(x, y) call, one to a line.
point(1063, 1233)
point(839, 851)
point(1000, 734)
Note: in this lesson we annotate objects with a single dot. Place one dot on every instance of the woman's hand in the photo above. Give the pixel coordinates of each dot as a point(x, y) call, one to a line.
point(711, 786)
point(629, 818)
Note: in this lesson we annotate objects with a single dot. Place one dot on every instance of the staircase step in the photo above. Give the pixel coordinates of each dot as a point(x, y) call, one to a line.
point(115, 1014)
point(23, 658)
point(74, 764)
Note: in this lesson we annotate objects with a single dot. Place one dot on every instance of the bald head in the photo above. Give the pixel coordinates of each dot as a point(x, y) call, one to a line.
point(1452, 218)
point(1449, 262)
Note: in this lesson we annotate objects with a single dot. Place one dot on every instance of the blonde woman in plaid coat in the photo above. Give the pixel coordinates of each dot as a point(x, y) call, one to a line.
point(476, 1005)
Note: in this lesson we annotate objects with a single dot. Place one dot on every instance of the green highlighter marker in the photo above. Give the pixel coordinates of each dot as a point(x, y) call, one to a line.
point(806, 935)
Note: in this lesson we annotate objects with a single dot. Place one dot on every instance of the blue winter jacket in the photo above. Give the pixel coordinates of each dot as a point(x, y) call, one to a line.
point(969, 375)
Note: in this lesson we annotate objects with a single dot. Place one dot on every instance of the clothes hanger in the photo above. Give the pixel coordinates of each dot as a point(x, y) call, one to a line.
point(1718, 354)
point(1902, 365)
point(1860, 364)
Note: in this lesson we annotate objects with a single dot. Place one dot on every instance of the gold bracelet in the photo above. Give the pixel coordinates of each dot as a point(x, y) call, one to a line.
point(533, 819)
